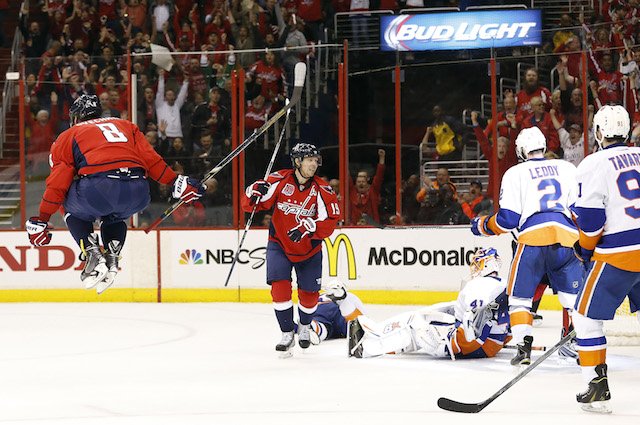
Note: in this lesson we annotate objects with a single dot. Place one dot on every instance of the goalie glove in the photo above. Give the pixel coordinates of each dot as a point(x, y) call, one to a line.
point(306, 227)
point(187, 189)
point(258, 190)
point(38, 231)
point(479, 226)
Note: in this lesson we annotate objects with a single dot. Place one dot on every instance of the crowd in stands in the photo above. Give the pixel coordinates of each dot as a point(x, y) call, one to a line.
point(73, 47)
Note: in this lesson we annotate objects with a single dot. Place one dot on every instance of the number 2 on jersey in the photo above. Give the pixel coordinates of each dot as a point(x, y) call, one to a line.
point(112, 133)
point(551, 196)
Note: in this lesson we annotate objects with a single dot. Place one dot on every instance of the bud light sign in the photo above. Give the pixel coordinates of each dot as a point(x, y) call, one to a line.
point(461, 30)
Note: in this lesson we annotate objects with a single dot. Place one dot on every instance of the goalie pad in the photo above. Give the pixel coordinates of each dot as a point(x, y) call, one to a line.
point(407, 332)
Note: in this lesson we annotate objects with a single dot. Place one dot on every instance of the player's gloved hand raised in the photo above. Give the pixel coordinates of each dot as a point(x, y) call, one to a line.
point(306, 227)
point(258, 190)
point(479, 226)
point(38, 231)
point(583, 255)
point(187, 189)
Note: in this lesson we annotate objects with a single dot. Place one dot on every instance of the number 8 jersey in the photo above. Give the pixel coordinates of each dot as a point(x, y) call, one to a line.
point(535, 197)
point(95, 146)
point(608, 206)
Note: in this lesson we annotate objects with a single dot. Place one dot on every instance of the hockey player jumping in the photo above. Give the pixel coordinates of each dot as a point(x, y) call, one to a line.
point(99, 170)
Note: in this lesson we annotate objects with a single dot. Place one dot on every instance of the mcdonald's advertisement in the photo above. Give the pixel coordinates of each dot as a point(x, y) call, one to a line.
point(390, 259)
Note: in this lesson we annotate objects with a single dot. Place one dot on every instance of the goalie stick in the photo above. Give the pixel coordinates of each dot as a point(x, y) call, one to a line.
point(300, 73)
point(255, 207)
point(456, 406)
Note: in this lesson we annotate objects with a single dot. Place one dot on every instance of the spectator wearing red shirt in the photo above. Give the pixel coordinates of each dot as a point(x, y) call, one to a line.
point(530, 89)
point(43, 133)
point(364, 198)
point(257, 111)
point(504, 126)
point(609, 78)
point(272, 76)
point(475, 203)
point(506, 151)
point(191, 215)
point(541, 119)
point(311, 13)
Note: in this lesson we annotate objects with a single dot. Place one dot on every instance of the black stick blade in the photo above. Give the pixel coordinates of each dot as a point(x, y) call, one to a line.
point(456, 406)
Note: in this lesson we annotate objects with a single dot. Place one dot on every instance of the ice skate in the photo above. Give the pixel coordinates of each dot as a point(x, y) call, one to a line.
point(356, 333)
point(522, 359)
point(569, 351)
point(596, 397)
point(95, 267)
point(304, 335)
point(285, 346)
point(537, 320)
point(314, 334)
point(112, 257)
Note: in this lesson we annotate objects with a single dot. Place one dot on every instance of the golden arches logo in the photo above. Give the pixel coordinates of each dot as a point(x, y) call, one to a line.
point(332, 251)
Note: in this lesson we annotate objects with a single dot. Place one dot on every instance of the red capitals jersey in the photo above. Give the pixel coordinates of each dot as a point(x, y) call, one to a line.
point(273, 78)
point(95, 146)
point(292, 202)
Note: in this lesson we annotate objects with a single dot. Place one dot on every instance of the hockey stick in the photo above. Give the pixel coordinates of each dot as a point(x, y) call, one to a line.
point(255, 207)
point(534, 348)
point(300, 73)
point(456, 406)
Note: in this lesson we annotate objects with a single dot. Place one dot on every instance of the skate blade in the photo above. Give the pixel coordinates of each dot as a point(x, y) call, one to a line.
point(105, 283)
point(602, 407)
point(91, 281)
point(286, 354)
point(519, 368)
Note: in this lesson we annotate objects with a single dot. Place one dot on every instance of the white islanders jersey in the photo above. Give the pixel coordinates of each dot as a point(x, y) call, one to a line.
point(535, 197)
point(608, 206)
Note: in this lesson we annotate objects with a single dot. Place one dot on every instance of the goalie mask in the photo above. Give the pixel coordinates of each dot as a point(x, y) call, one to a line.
point(85, 107)
point(530, 140)
point(304, 150)
point(612, 122)
point(484, 262)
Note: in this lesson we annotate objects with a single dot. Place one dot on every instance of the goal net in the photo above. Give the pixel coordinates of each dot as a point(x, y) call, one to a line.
point(624, 329)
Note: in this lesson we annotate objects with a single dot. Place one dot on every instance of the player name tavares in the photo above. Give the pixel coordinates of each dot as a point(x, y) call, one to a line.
point(544, 171)
point(625, 160)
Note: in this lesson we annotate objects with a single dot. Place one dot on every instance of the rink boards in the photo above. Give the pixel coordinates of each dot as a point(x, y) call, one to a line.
point(387, 266)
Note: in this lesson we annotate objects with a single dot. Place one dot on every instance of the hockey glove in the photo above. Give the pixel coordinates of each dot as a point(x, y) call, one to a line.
point(583, 254)
point(306, 227)
point(479, 226)
point(187, 189)
point(258, 190)
point(38, 231)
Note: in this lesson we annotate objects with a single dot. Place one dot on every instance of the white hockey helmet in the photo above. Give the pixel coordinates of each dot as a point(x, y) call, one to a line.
point(613, 123)
point(529, 140)
point(484, 262)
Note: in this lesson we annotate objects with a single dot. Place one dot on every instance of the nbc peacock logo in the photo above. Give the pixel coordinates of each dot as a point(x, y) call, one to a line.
point(191, 256)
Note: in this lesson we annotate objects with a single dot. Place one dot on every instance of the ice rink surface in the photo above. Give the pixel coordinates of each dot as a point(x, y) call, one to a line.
point(215, 363)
